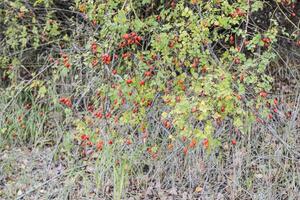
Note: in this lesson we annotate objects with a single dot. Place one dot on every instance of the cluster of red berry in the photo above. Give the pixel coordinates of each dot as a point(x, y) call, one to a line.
point(106, 59)
point(66, 101)
point(84, 137)
point(85, 141)
point(266, 41)
point(237, 13)
point(191, 145)
point(129, 39)
point(292, 6)
point(66, 61)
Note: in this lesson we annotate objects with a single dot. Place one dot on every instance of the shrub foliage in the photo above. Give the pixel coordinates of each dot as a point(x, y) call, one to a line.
point(123, 67)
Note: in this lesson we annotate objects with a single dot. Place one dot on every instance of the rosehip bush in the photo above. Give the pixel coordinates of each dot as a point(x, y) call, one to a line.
point(187, 67)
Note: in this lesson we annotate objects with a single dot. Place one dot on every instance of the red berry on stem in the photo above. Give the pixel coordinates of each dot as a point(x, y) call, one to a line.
point(126, 36)
point(84, 137)
point(142, 82)
point(205, 143)
point(233, 142)
point(106, 59)
point(99, 115)
point(185, 150)
point(108, 115)
point(270, 116)
point(128, 142)
point(263, 94)
point(99, 145)
point(193, 143)
point(147, 73)
point(223, 109)
point(129, 81)
point(275, 101)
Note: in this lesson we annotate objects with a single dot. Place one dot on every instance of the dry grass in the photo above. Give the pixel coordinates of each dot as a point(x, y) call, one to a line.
point(263, 165)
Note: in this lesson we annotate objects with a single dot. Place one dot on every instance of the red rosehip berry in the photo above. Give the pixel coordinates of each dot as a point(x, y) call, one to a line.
point(67, 65)
point(223, 109)
point(100, 145)
point(142, 82)
point(205, 143)
point(99, 115)
point(233, 142)
point(126, 36)
point(129, 81)
point(275, 101)
point(185, 151)
point(108, 115)
point(106, 59)
point(128, 142)
point(270, 116)
point(147, 73)
point(263, 94)
point(193, 143)
point(84, 137)
point(94, 48)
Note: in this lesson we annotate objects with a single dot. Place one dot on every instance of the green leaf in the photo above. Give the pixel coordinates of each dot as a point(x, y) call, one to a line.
point(257, 5)
point(120, 17)
point(42, 91)
point(146, 1)
point(138, 25)
point(64, 72)
point(54, 30)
